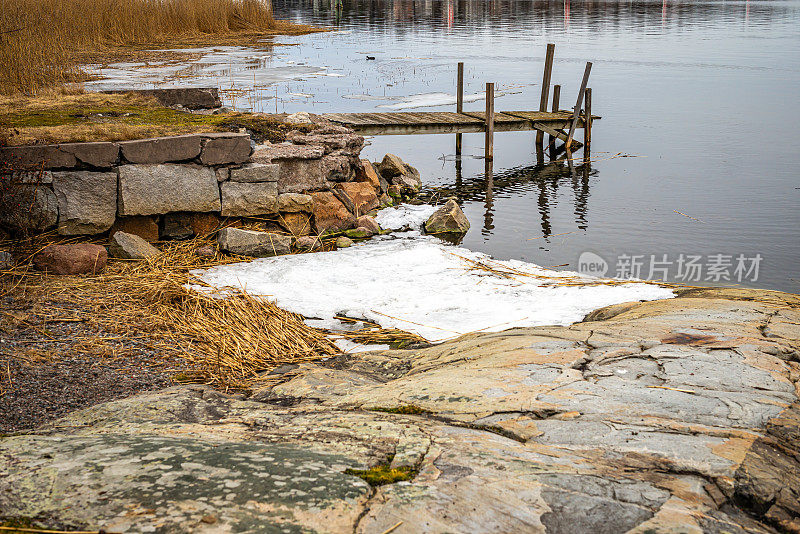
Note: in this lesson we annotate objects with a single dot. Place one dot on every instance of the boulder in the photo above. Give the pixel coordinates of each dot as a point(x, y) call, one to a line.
point(28, 207)
point(130, 247)
point(366, 172)
point(225, 148)
point(296, 223)
point(78, 258)
point(256, 172)
point(299, 175)
point(301, 117)
point(244, 200)
point(294, 202)
point(156, 189)
point(391, 166)
point(100, 154)
point(449, 219)
point(252, 243)
point(145, 226)
point(330, 215)
point(344, 242)
point(37, 157)
point(369, 223)
point(362, 196)
point(359, 233)
point(87, 201)
point(161, 149)
point(308, 243)
point(410, 182)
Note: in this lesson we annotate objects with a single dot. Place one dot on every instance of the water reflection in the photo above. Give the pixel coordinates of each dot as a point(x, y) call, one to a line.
point(543, 182)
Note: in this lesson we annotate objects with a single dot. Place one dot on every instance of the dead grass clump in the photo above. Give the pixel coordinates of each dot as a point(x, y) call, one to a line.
point(41, 39)
point(228, 342)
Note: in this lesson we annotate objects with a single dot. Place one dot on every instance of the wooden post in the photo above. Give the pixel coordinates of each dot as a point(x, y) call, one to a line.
point(548, 71)
point(489, 146)
point(556, 103)
point(577, 113)
point(459, 101)
point(587, 123)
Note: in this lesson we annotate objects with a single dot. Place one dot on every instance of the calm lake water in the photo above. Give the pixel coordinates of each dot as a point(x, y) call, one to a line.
point(696, 153)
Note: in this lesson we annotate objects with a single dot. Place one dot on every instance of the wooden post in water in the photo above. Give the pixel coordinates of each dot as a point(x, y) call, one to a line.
point(459, 101)
point(489, 145)
point(577, 113)
point(548, 71)
point(551, 143)
point(587, 123)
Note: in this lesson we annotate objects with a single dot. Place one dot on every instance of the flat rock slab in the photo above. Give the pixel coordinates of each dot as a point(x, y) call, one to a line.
point(677, 415)
point(155, 189)
point(225, 148)
point(162, 149)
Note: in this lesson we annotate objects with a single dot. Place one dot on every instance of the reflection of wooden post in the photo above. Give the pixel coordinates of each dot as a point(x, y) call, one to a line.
point(587, 123)
point(459, 102)
point(548, 71)
point(489, 121)
point(578, 105)
point(556, 103)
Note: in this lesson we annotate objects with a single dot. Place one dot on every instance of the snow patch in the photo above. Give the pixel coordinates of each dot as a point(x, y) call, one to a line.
point(419, 284)
point(404, 217)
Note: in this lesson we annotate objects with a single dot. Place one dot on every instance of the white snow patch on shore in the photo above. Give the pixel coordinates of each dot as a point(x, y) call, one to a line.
point(405, 217)
point(419, 284)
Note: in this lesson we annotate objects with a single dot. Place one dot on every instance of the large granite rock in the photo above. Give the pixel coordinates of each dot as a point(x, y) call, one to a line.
point(361, 195)
point(225, 148)
point(162, 149)
point(294, 202)
point(154, 189)
point(28, 207)
point(30, 157)
point(79, 258)
point(665, 416)
point(244, 200)
point(255, 172)
point(330, 215)
point(87, 201)
point(99, 154)
point(449, 219)
point(253, 243)
point(131, 247)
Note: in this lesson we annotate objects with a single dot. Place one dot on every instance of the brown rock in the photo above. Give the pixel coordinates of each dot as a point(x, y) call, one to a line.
point(362, 194)
point(330, 215)
point(297, 224)
point(294, 202)
point(72, 259)
point(161, 149)
point(391, 166)
point(204, 223)
point(37, 157)
point(366, 172)
point(100, 154)
point(225, 148)
point(369, 223)
point(143, 226)
point(308, 243)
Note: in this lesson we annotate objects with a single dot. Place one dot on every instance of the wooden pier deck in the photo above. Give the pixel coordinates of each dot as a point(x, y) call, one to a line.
point(444, 122)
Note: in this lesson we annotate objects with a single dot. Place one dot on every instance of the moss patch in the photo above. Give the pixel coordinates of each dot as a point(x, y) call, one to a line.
point(383, 474)
point(64, 118)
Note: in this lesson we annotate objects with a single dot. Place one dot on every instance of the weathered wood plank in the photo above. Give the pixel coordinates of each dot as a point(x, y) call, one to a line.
point(555, 133)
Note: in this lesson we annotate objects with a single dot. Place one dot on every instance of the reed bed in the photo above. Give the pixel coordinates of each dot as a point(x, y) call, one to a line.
point(41, 40)
point(228, 342)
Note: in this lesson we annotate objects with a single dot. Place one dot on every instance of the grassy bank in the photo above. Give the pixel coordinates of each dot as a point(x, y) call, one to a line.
point(43, 42)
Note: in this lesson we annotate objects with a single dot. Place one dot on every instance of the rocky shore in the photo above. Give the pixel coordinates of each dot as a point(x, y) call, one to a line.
point(676, 415)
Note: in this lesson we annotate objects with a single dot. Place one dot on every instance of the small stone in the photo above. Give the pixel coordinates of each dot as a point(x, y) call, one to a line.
point(6, 260)
point(391, 166)
point(308, 243)
point(449, 219)
point(344, 242)
point(79, 258)
point(131, 247)
point(301, 117)
point(206, 251)
point(395, 192)
point(369, 223)
point(252, 243)
point(223, 174)
point(359, 233)
point(385, 201)
point(295, 202)
point(256, 172)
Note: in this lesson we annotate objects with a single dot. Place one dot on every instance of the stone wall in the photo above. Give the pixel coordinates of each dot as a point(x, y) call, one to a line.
point(174, 187)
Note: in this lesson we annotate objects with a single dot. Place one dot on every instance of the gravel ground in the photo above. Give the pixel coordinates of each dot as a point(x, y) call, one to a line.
point(50, 368)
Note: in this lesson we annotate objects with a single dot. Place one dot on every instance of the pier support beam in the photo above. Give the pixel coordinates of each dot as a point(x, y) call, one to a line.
point(578, 105)
point(587, 124)
point(548, 71)
point(489, 146)
point(459, 103)
point(551, 142)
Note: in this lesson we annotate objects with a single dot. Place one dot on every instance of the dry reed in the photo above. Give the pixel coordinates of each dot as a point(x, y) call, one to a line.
point(40, 40)
point(228, 342)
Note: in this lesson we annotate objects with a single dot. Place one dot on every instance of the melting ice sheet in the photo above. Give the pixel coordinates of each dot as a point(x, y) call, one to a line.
point(419, 284)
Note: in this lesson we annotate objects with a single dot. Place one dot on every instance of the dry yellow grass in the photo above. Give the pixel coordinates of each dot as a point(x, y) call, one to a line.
point(43, 41)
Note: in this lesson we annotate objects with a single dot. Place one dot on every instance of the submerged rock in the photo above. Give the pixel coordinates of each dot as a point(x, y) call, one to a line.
point(131, 247)
point(252, 243)
point(449, 219)
point(81, 258)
